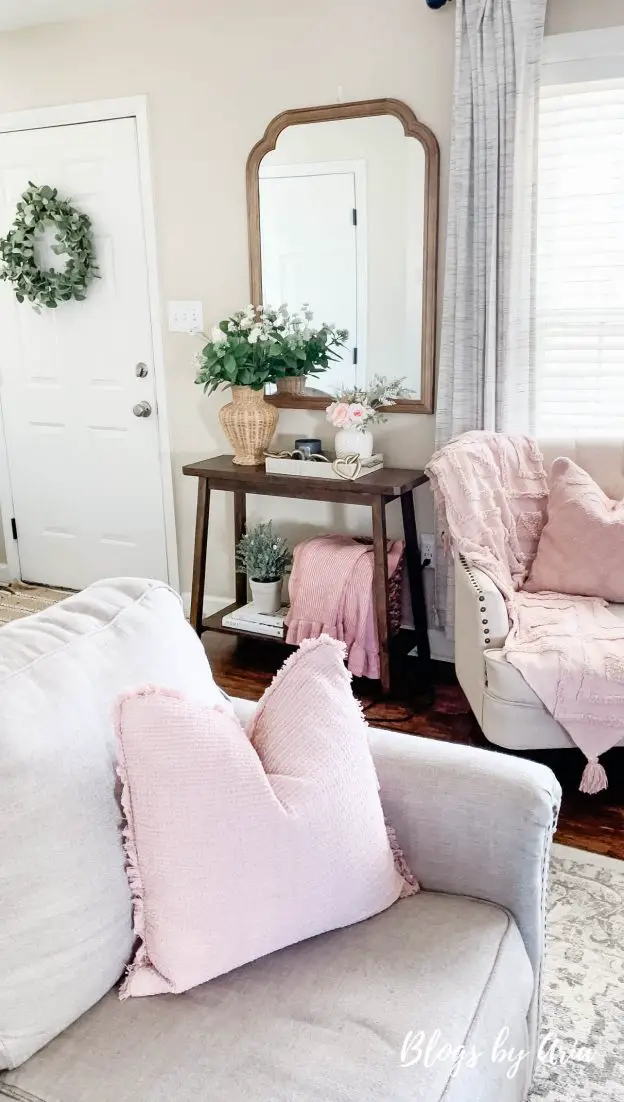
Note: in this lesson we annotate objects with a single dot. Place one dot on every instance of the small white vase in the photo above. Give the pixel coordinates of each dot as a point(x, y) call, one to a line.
point(354, 442)
point(266, 596)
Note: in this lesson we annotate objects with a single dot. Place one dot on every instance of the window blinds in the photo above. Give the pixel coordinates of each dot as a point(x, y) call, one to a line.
point(580, 261)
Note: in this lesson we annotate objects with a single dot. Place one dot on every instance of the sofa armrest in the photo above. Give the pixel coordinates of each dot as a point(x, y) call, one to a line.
point(473, 822)
point(481, 622)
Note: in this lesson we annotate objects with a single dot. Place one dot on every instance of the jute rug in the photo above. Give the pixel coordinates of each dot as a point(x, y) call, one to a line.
point(19, 599)
point(582, 1047)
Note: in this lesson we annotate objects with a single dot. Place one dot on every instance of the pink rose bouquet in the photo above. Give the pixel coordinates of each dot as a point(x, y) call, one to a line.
point(338, 414)
point(358, 407)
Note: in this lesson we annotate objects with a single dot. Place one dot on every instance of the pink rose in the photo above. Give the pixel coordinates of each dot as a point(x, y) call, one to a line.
point(357, 414)
point(338, 414)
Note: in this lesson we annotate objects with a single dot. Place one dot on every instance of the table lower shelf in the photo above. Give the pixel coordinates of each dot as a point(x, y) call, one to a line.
point(215, 623)
point(401, 642)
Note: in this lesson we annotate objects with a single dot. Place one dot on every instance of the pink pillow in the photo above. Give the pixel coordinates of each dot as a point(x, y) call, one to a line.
point(239, 844)
point(581, 548)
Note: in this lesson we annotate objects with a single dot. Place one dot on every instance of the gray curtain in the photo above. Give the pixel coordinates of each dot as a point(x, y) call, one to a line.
point(486, 374)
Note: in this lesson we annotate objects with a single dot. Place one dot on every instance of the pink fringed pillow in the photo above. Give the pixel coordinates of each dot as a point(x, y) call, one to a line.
point(581, 548)
point(241, 843)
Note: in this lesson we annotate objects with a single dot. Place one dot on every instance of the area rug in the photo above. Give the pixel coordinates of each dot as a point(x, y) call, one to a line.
point(581, 1057)
point(19, 599)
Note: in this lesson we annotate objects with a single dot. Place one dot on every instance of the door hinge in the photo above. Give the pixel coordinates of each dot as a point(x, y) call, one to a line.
point(355, 360)
point(14, 528)
point(355, 216)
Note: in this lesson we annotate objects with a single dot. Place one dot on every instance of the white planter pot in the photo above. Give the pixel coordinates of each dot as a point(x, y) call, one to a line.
point(354, 442)
point(266, 596)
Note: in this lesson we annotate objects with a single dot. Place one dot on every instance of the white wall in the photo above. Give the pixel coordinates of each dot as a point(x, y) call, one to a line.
point(215, 74)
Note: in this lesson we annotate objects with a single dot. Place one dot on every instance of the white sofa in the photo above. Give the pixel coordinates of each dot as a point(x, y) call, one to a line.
point(326, 1019)
point(508, 711)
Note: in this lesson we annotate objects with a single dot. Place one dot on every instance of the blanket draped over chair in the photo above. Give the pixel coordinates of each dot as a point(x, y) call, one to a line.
point(491, 496)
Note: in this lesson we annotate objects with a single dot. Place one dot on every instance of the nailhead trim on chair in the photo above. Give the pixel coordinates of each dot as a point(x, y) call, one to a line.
point(481, 599)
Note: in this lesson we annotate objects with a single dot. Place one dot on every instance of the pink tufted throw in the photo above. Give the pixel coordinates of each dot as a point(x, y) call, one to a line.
point(581, 548)
point(491, 495)
point(240, 843)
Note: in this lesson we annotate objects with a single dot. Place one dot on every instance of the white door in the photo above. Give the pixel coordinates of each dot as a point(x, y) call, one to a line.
point(84, 470)
point(309, 253)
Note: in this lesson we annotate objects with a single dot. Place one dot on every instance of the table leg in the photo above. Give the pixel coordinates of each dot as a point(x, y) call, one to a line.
point(199, 554)
point(240, 521)
point(415, 575)
point(380, 589)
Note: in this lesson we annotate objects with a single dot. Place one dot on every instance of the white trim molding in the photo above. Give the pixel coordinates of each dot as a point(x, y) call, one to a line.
point(102, 111)
point(210, 606)
point(583, 56)
point(6, 574)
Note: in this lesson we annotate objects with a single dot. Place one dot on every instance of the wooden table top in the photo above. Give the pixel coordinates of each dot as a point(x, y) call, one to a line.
point(387, 482)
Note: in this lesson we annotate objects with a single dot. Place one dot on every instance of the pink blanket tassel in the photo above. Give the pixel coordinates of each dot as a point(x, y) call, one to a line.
point(594, 778)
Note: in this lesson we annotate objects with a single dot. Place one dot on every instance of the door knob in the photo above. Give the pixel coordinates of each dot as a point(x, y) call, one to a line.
point(142, 409)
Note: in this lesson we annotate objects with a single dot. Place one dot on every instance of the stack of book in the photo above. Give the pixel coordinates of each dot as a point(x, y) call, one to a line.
point(247, 618)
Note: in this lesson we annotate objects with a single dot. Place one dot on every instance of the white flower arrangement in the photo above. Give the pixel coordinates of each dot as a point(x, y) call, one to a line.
point(359, 407)
point(259, 345)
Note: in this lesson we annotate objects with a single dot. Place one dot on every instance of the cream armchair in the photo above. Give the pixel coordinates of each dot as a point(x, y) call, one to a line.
point(508, 711)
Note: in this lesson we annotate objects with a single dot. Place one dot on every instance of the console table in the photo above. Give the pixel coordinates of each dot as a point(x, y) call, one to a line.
point(373, 490)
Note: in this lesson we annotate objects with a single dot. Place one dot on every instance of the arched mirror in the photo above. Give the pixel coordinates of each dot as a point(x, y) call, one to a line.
point(343, 216)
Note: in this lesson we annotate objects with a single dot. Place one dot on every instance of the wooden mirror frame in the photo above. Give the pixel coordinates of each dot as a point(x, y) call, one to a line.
point(413, 129)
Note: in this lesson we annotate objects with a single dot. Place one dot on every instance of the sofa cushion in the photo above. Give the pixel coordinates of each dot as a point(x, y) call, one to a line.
point(65, 915)
point(322, 1021)
point(513, 715)
point(507, 683)
point(237, 845)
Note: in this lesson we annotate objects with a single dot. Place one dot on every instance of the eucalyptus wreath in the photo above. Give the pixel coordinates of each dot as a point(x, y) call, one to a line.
point(40, 207)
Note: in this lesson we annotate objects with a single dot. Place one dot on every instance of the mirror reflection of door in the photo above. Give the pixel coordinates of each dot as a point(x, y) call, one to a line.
point(312, 218)
point(363, 272)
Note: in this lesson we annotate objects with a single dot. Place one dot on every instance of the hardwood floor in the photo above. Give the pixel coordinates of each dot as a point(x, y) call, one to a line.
point(596, 823)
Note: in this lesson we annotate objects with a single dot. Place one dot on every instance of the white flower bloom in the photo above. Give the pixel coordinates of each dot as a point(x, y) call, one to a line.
point(231, 327)
point(246, 323)
point(217, 335)
point(253, 334)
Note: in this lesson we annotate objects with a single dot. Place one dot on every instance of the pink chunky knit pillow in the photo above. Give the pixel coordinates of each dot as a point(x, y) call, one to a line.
point(241, 843)
point(581, 548)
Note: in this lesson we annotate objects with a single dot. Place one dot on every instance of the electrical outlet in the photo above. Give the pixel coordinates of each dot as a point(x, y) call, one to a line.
point(185, 317)
point(427, 548)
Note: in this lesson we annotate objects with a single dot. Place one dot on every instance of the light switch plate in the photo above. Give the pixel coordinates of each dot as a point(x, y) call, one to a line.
point(185, 317)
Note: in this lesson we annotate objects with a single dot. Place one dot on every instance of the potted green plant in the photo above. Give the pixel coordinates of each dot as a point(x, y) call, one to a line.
point(305, 349)
point(265, 557)
point(245, 353)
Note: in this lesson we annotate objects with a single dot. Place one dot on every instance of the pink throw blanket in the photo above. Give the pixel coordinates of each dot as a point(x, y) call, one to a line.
point(331, 592)
point(491, 497)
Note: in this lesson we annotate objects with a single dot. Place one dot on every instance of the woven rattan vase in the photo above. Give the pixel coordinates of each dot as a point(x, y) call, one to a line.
point(249, 423)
